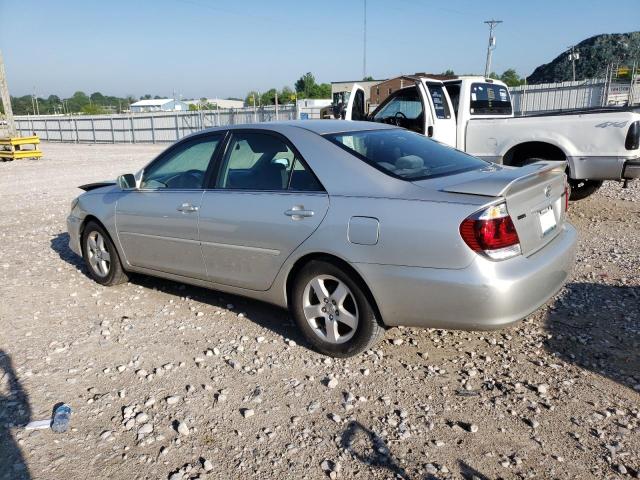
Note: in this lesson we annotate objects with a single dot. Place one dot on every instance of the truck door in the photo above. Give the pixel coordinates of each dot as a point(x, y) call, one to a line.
point(355, 109)
point(441, 124)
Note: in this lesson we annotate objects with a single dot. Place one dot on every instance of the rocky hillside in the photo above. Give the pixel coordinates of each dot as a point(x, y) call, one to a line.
point(595, 53)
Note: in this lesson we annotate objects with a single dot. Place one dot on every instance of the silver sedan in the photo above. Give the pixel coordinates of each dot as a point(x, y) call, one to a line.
point(353, 226)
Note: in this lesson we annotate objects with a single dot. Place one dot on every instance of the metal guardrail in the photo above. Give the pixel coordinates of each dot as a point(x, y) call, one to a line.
point(161, 127)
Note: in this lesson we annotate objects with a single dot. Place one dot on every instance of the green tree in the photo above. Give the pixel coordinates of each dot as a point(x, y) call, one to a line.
point(268, 97)
point(305, 84)
point(93, 109)
point(368, 78)
point(97, 97)
point(511, 78)
point(448, 72)
point(251, 96)
point(286, 95)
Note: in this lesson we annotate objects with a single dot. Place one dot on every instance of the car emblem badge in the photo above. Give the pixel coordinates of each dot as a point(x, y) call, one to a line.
point(547, 191)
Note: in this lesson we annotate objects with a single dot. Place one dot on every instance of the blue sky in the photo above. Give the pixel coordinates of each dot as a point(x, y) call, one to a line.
point(226, 48)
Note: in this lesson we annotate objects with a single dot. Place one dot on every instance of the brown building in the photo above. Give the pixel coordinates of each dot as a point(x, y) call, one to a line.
point(380, 92)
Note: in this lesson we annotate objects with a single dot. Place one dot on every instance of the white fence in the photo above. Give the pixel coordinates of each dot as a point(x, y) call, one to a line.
point(143, 128)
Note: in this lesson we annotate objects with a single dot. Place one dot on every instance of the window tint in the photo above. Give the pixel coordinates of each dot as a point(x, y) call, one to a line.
point(489, 99)
point(440, 103)
point(453, 89)
point(256, 161)
point(405, 154)
point(302, 180)
point(183, 167)
point(358, 106)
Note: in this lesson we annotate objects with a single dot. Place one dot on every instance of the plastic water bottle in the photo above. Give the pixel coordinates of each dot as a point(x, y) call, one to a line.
point(61, 418)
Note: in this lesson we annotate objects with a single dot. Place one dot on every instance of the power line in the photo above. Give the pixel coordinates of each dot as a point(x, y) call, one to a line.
point(492, 45)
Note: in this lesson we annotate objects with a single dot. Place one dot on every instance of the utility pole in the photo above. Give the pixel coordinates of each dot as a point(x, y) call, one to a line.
point(492, 45)
point(6, 100)
point(364, 44)
point(573, 56)
point(276, 105)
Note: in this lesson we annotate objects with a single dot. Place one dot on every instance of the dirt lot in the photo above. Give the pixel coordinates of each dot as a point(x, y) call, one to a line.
point(163, 378)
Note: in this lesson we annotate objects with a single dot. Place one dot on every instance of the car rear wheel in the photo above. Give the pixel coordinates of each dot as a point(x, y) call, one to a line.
point(101, 257)
point(333, 311)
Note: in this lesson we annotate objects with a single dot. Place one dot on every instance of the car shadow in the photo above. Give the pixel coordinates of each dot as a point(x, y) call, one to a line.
point(15, 412)
point(264, 314)
point(597, 327)
point(60, 245)
point(370, 449)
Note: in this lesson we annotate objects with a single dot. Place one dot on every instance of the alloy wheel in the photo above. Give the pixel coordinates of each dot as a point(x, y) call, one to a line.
point(98, 255)
point(330, 309)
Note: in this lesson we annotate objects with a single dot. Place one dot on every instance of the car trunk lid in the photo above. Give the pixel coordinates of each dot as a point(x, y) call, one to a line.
point(534, 195)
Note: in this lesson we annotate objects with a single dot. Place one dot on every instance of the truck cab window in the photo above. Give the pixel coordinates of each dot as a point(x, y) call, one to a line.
point(489, 99)
point(403, 109)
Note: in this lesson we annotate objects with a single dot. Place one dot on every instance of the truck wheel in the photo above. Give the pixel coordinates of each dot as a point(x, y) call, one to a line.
point(582, 188)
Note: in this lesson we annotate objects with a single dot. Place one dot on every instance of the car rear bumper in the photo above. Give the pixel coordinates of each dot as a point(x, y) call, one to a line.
point(485, 295)
point(73, 227)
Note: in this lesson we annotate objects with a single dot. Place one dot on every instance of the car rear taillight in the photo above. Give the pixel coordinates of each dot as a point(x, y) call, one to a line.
point(632, 142)
point(491, 232)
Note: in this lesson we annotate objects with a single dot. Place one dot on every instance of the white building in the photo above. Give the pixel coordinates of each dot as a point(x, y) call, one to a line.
point(159, 105)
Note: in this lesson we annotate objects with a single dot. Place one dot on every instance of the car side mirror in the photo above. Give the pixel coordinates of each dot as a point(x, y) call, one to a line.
point(127, 181)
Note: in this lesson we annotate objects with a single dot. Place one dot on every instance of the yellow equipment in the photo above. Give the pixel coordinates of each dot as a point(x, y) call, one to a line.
point(11, 148)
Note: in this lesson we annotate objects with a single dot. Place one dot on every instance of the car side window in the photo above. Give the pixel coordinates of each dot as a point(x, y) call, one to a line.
point(256, 161)
point(303, 180)
point(184, 167)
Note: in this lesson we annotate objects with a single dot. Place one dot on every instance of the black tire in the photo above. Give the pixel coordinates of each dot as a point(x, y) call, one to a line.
point(369, 330)
point(110, 272)
point(581, 189)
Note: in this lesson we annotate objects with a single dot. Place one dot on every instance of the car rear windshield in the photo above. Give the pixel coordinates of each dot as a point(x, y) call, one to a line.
point(489, 99)
point(404, 154)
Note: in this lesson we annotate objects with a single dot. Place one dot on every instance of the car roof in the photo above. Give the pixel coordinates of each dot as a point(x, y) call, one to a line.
point(320, 127)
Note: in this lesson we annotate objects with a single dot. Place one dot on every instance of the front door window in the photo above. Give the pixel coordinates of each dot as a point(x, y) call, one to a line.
point(183, 167)
point(404, 109)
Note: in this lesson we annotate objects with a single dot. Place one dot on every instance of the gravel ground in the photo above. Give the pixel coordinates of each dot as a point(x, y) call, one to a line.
point(172, 381)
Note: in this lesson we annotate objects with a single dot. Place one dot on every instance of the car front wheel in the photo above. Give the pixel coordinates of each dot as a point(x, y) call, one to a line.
point(101, 257)
point(333, 311)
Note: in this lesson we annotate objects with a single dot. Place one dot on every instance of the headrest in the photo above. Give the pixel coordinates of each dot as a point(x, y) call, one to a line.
point(409, 162)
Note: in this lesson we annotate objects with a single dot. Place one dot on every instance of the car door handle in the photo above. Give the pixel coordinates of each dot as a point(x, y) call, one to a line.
point(187, 208)
point(298, 212)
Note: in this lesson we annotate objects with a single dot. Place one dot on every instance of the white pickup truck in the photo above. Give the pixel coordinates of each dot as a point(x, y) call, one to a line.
point(474, 114)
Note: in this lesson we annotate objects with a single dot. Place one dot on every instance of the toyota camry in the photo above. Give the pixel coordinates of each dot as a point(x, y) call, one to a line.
point(353, 226)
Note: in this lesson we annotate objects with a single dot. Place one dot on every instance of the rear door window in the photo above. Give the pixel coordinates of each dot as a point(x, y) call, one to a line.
point(489, 99)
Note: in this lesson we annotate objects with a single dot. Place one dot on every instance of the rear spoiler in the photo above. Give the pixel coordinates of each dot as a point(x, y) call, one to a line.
point(507, 180)
point(93, 186)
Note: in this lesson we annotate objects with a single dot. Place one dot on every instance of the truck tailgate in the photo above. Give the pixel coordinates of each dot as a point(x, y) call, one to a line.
point(534, 195)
